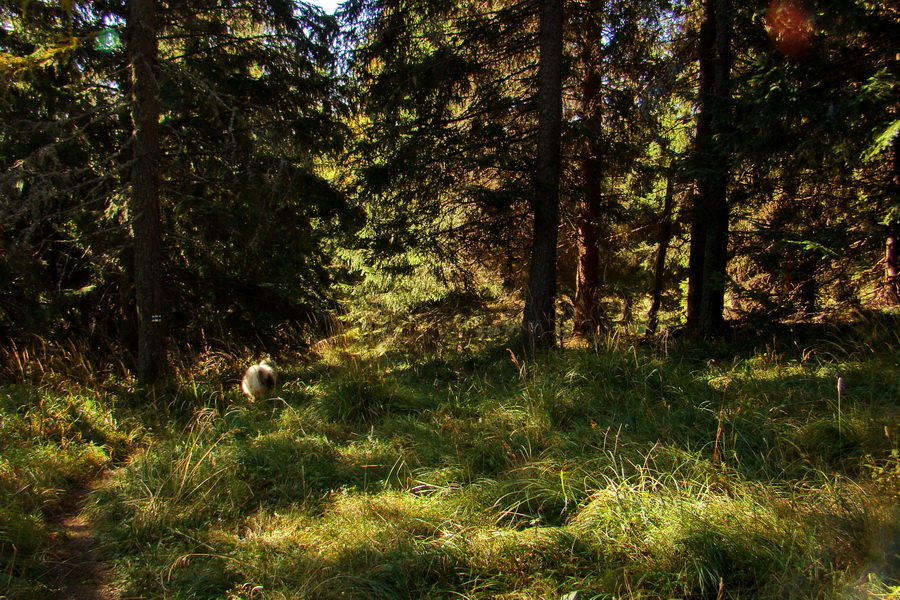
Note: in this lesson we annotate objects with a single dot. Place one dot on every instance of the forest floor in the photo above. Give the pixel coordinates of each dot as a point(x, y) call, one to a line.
point(607, 471)
point(78, 571)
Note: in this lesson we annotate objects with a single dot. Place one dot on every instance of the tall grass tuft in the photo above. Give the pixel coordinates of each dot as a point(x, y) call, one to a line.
point(360, 394)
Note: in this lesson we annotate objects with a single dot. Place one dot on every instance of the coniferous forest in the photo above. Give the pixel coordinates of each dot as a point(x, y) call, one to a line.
point(567, 299)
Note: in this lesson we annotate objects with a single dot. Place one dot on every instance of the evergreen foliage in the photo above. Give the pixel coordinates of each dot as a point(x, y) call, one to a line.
point(814, 216)
point(249, 125)
point(401, 135)
point(445, 143)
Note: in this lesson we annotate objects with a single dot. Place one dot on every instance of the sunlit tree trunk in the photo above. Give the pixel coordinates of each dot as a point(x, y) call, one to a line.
point(145, 183)
point(892, 251)
point(539, 318)
point(892, 270)
point(695, 266)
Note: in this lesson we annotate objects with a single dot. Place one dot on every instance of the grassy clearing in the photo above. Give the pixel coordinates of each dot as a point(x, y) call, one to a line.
point(615, 471)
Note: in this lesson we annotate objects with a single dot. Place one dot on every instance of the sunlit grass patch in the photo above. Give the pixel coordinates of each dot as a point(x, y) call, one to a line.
point(608, 471)
point(285, 467)
point(51, 444)
point(36, 416)
point(527, 553)
point(173, 485)
point(36, 478)
point(695, 539)
point(360, 395)
point(356, 546)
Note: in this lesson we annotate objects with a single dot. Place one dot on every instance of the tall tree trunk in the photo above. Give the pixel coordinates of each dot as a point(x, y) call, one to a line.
point(892, 251)
point(587, 319)
point(702, 161)
point(539, 318)
point(145, 183)
point(663, 238)
point(709, 228)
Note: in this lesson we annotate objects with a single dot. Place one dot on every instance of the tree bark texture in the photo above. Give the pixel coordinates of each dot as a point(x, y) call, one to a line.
point(892, 270)
point(587, 317)
point(539, 318)
point(702, 159)
point(891, 286)
point(663, 239)
point(709, 227)
point(145, 184)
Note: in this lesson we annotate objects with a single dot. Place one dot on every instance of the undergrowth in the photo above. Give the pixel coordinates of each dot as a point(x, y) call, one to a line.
point(609, 470)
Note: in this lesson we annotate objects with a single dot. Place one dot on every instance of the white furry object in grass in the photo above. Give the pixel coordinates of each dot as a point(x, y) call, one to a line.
point(259, 380)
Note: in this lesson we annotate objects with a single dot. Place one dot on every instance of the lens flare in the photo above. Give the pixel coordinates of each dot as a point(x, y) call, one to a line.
point(107, 40)
point(790, 27)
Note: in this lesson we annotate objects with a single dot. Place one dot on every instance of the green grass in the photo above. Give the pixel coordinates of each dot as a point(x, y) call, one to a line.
point(616, 471)
point(51, 443)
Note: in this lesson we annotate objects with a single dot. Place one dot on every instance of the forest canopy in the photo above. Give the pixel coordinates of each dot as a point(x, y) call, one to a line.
point(693, 166)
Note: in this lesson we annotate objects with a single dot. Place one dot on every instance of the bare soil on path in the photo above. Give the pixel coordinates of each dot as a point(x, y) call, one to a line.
point(77, 569)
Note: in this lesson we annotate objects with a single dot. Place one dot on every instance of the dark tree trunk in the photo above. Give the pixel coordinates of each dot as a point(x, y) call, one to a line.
point(715, 262)
point(539, 318)
point(703, 157)
point(145, 183)
point(587, 316)
point(806, 290)
point(709, 228)
point(663, 238)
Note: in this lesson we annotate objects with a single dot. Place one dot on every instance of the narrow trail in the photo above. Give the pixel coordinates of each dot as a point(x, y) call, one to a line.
point(78, 571)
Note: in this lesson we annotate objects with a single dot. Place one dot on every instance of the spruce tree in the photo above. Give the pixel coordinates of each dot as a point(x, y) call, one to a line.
point(145, 184)
point(710, 218)
point(539, 318)
point(249, 128)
